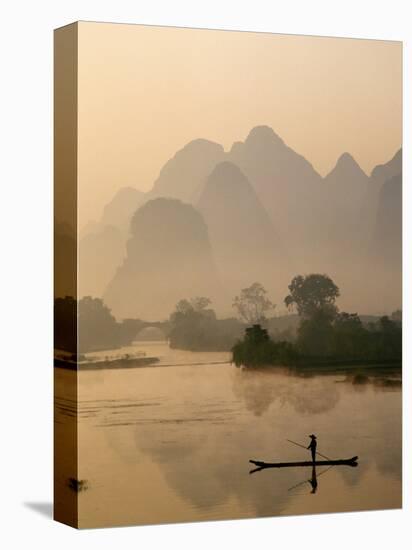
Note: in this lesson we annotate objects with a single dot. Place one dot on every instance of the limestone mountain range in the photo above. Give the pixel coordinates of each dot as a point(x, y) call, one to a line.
point(259, 212)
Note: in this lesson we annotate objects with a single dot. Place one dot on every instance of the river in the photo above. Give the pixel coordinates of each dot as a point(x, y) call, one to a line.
point(168, 444)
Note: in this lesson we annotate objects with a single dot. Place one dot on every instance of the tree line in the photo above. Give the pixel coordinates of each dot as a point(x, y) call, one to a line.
point(98, 329)
point(323, 332)
point(315, 327)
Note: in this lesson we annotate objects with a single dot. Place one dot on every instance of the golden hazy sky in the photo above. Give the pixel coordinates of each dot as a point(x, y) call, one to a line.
point(144, 92)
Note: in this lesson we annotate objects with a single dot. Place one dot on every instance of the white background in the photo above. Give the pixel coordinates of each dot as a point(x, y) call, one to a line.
point(26, 270)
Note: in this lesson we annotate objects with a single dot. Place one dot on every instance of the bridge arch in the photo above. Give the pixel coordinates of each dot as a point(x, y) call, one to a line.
point(155, 331)
point(151, 333)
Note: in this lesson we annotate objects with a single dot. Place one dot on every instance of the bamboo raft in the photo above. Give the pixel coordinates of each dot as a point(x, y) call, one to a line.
point(342, 462)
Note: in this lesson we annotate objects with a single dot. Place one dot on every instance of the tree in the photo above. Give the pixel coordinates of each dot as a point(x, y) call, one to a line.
point(315, 334)
point(253, 304)
point(98, 328)
point(87, 325)
point(350, 336)
point(311, 294)
point(387, 338)
point(258, 349)
point(193, 325)
point(198, 304)
point(314, 298)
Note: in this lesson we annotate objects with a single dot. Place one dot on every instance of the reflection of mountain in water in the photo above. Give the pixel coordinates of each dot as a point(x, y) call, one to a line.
point(204, 436)
point(259, 390)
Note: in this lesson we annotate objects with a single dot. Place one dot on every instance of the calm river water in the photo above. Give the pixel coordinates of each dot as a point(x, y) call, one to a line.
point(171, 444)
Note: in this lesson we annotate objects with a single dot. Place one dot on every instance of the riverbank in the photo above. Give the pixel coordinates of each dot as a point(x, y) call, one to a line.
point(122, 363)
point(158, 354)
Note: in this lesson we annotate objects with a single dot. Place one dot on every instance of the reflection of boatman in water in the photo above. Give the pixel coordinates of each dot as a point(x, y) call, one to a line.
point(313, 480)
point(312, 446)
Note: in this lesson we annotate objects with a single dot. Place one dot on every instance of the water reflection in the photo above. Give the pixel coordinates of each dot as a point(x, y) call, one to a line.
point(313, 481)
point(174, 443)
point(306, 394)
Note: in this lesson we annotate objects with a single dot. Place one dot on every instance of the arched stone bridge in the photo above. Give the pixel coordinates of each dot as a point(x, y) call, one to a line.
point(136, 326)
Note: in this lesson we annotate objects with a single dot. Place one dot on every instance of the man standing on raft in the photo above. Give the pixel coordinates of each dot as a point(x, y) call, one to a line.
point(312, 446)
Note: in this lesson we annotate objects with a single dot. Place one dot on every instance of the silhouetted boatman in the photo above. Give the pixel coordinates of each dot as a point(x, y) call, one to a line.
point(312, 446)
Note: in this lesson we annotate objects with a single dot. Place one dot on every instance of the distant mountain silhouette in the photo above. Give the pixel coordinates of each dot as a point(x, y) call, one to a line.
point(265, 207)
point(387, 238)
point(100, 254)
point(345, 188)
point(379, 175)
point(183, 175)
point(244, 241)
point(347, 180)
point(102, 244)
point(286, 183)
point(383, 172)
point(386, 245)
point(168, 258)
point(91, 227)
point(119, 211)
point(344, 237)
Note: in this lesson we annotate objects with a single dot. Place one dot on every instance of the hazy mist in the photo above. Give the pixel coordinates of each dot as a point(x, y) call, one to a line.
point(281, 144)
point(145, 92)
